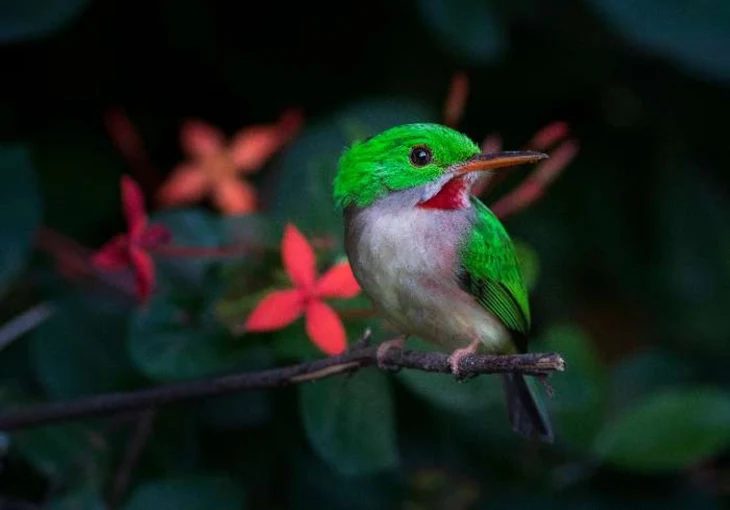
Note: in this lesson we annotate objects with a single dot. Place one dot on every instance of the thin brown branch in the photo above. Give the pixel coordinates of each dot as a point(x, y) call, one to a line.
point(171, 250)
point(135, 447)
point(538, 364)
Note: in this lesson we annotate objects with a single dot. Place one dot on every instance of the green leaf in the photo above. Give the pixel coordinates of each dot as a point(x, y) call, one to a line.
point(350, 422)
point(580, 391)
point(693, 34)
point(21, 20)
point(81, 350)
point(169, 341)
point(243, 409)
point(466, 28)
point(20, 210)
point(645, 373)
point(65, 453)
point(670, 430)
point(315, 481)
point(445, 391)
point(86, 498)
point(190, 228)
point(301, 190)
point(189, 493)
point(690, 273)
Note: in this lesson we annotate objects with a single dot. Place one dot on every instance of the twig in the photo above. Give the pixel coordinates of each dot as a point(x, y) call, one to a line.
point(135, 446)
point(170, 250)
point(24, 322)
point(538, 364)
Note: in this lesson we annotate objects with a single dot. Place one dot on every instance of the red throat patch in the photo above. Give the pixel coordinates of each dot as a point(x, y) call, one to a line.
point(453, 195)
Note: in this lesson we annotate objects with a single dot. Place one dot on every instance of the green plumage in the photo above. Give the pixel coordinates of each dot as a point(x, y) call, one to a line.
point(491, 273)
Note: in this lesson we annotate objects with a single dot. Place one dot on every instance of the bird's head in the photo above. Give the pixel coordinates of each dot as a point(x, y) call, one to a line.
point(428, 165)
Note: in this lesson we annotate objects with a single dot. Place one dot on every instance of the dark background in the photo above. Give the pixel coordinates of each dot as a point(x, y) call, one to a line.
point(631, 244)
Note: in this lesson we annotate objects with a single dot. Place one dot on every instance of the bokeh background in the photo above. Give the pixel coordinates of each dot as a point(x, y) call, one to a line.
point(628, 251)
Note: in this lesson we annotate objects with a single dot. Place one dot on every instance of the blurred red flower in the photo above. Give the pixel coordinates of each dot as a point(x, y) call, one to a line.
point(534, 186)
point(131, 249)
point(281, 308)
point(215, 165)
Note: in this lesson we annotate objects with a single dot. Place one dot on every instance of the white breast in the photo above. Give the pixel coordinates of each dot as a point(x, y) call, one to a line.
point(406, 260)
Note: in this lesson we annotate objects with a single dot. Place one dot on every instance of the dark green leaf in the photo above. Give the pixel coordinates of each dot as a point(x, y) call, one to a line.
point(69, 452)
point(81, 350)
point(244, 409)
point(691, 274)
point(86, 498)
point(696, 35)
point(170, 341)
point(645, 373)
point(189, 493)
point(190, 228)
point(301, 190)
point(670, 430)
point(467, 28)
point(20, 210)
point(316, 481)
point(350, 422)
point(580, 391)
point(21, 20)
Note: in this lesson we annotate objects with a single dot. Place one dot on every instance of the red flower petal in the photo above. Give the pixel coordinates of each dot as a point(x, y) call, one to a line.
point(234, 197)
point(155, 235)
point(200, 140)
point(456, 99)
point(114, 255)
point(325, 328)
point(187, 183)
point(144, 269)
point(492, 143)
point(253, 146)
point(298, 258)
point(275, 311)
point(133, 203)
point(548, 135)
point(339, 282)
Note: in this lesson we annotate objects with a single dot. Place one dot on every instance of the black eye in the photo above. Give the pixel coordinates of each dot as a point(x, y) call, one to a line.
point(421, 156)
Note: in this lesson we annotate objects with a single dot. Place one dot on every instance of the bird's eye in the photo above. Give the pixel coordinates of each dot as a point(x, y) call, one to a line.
point(421, 156)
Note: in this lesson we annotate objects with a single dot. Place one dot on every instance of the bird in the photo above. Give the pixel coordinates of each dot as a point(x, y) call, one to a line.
point(433, 259)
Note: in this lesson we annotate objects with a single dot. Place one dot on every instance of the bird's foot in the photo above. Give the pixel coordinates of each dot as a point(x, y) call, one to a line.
point(382, 353)
point(458, 355)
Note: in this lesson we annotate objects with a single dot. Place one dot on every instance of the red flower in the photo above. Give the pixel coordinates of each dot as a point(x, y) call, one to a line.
point(130, 249)
point(281, 308)
point(216, 165)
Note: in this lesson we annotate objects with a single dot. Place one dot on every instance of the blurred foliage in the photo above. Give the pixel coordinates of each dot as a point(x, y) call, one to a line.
point(627, 256)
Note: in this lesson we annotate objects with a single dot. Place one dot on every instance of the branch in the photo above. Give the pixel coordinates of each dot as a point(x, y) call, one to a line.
point(360, 356)
point(135, 446)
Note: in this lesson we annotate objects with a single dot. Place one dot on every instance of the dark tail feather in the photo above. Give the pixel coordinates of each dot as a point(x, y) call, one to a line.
point(527, 419)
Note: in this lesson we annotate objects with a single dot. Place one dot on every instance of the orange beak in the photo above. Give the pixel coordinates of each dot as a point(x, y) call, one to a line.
point(484, 162)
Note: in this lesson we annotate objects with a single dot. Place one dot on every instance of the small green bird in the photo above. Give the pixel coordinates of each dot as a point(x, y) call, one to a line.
point(433, 259)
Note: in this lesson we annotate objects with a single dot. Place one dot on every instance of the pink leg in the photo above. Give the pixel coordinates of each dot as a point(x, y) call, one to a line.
point(394, 343)
point(460, 354)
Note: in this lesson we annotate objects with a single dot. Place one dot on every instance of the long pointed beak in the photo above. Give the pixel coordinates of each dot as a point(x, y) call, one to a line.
point(495, 160)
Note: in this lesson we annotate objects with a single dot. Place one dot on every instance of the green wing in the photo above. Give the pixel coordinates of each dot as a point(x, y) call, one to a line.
point(490, 272)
